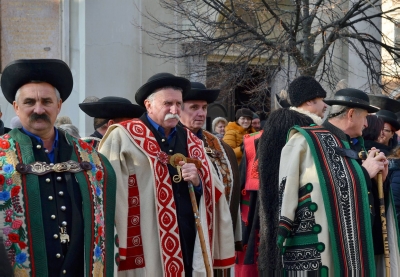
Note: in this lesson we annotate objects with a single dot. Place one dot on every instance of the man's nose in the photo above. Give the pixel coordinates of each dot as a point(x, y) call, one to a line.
point(174, 109)
point(39, 108)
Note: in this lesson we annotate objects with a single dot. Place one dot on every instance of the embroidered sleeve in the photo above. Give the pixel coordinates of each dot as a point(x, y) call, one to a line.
point(111, 148)
point(290, 170)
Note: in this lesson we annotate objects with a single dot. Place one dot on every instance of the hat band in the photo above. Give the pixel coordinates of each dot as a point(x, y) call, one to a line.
point(351, 99)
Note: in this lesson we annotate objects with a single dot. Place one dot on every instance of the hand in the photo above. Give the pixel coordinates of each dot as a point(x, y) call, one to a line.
point(189, 173)
point(375, 162)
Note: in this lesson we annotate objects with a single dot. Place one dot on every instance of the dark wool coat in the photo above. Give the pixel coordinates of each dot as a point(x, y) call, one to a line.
point(269, 151)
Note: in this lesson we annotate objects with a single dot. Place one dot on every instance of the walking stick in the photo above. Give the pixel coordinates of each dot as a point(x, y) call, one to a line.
point(363, 156)
point(383, 220)
point(174, 161)
point(199, 230)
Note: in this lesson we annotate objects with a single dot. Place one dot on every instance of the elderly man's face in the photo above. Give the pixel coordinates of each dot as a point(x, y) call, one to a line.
point(37, 107)
point(194, 114)
point(165, 108)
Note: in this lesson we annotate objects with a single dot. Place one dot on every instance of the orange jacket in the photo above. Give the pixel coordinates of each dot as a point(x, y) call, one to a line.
point(234, 137)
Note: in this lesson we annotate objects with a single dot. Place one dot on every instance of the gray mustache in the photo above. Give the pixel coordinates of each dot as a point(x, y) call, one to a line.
point(171, 116)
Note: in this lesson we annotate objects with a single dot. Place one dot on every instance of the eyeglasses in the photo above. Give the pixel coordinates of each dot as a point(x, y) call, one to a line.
point(387, 131)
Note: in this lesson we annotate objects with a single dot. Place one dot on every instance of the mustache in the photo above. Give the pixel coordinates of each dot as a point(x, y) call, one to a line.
point(33, 117)
point(171, 116)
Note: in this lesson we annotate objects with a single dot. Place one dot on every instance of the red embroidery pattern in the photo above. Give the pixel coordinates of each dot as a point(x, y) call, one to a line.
point(134, 249)
point(167, 220)
point(195, 149)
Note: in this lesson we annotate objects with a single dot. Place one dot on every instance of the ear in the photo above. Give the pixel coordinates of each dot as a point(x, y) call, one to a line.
point(110, 122)
point(147, 105)
point(350, 114)
point(16, 107)
point(59, 104)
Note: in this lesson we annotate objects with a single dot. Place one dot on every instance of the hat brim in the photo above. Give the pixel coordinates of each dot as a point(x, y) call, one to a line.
point(208, 95)
point(384, 103)
point(20, 72)
point(110, 110)
point(391, 121)
point(149, 87)
point(368, 108)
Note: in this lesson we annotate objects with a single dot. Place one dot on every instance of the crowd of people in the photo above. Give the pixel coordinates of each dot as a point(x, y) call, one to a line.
point(151, 192)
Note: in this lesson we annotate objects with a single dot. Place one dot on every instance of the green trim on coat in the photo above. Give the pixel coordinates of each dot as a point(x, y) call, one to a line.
point(39, 257)
point(329, 214)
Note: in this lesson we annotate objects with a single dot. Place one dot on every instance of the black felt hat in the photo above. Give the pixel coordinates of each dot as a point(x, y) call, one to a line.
point(20, 72)
point(389, 117)
point(304, 88)
point(110, 107)
point(282, 102)
point(384, 103)
point(161, 80)
point(199, 91)
point(354, 98)
point(244, 112)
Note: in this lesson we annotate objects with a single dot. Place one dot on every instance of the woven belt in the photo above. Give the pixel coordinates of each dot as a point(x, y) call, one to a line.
point(41, 168)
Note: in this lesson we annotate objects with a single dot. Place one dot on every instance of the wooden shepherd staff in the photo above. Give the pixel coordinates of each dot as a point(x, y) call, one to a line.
point(199, 229)
point(363, 156)
point(174, 161)
point(383, 220)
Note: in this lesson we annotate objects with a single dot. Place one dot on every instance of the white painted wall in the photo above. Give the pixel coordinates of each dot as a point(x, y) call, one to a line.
point(105, 53)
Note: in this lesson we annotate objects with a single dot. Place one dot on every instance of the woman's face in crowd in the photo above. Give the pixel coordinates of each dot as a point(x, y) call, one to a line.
point(386, 134)
point(244, 121)
point(220, 128)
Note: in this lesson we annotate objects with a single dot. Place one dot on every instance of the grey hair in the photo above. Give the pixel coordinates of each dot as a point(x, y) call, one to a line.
point(218, 120)
point(151, 96)
point(55, 90)
point(62, 120)
point(70, 129)
point(339, 111)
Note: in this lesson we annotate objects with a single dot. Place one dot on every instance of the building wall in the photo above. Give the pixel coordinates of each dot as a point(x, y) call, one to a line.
point(104, 53)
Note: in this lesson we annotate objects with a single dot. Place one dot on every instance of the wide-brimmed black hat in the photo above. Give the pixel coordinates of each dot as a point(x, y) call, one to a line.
point(389, 117)
point(354, 98)
point(282, 102)
point(199, 91)
point(20, 72)
point(110, 107)
point(384, 103)
point(161, 80)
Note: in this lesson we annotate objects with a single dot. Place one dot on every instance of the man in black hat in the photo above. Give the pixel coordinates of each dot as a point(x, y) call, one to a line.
point(155, 159)
point(109, 110)
point(306, 96)
point(327, 209)
point(57, 194)
point(193, 117)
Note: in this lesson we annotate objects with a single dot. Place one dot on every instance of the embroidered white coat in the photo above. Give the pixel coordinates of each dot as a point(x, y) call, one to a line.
point(128, 159)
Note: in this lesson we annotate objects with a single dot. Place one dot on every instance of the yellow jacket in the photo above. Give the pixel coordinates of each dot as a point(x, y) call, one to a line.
point(234, 137)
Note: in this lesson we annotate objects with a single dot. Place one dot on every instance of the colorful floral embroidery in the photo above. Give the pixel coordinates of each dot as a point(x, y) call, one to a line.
point(14, 229)
point(95, 175)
